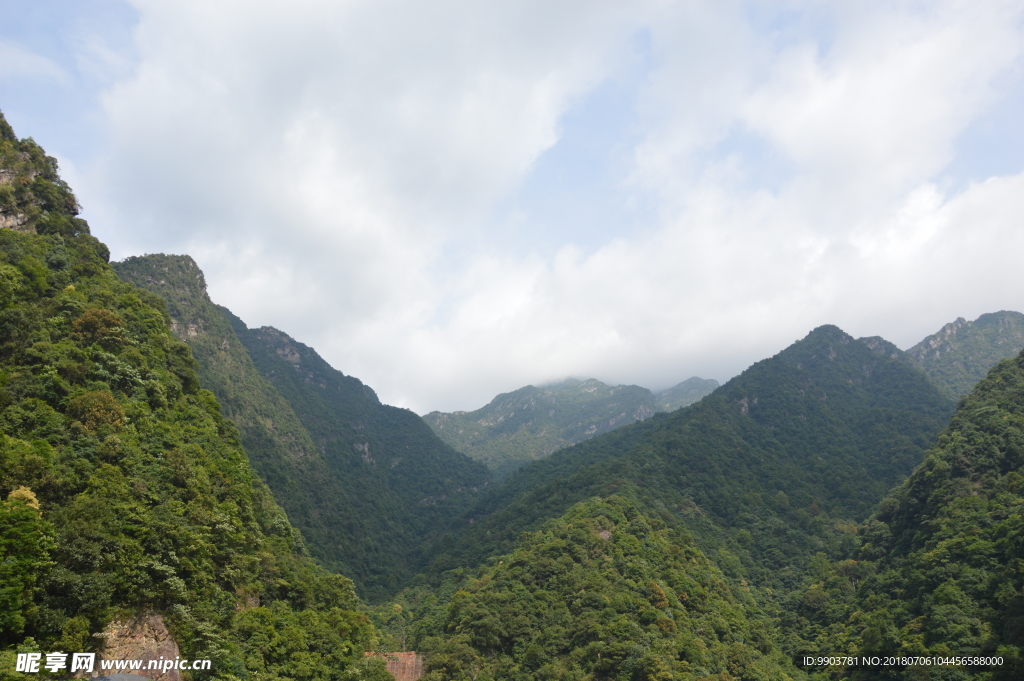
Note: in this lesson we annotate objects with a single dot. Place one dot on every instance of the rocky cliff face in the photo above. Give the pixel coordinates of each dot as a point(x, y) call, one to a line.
point(144, 637)
point(31, 192)
point(403, 666)
point(961, 352)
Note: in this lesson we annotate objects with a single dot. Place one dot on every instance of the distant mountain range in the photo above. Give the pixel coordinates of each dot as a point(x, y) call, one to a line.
point(823, 429)
point(530, 423)
point(686, 393)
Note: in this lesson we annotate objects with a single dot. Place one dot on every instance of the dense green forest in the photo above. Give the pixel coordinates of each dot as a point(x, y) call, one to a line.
point(372, 489)
point(777, 458)
point(934, 571)
point(961, 352)
point(124, 488)
point(939, 570)
point(604, 591)
point(831, 500)
point(771, 476)
point(530, 423)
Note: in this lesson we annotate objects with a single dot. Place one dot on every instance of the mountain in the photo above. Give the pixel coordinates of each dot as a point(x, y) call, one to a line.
point(821, 502)
point(686, 393)
point(766, 480)
point(962, 352)
point(369, 485)
point(530, 423)
point(941, 568)
point(770, 464)
point(608, 591)
point(413, 485)
point(274, 438)
point(125, 495)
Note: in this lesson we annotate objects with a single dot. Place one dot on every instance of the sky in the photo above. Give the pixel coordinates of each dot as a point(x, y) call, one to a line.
point(451, 200)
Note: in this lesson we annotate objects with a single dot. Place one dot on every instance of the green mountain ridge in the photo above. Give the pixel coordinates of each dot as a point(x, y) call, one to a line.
point(532, 422)
point(369, 485)
point(607, 590)
point(277, 443)
point(123, 489)
point(686, 393)
point(746, 464)
point(821, 502)
point(512, 430)
point(961, 353)
point(940, 569)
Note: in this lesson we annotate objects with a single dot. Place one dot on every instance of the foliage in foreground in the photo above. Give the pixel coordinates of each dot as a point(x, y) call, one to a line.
point(606, 591)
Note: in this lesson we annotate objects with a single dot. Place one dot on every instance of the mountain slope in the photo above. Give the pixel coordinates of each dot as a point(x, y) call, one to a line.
point(123, 489)
point(686, 393)
point(530, 423)
point(274, 438)
point(605, 591)
point(819, 432)
point(369, 484)
point(950, 538)
point(941, 568)
point(408, 487)
point(962, 352)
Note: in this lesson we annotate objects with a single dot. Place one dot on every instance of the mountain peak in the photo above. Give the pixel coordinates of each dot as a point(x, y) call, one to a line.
point(830, 330)
point(160, 270)
point(6, 131)
point(960, 353)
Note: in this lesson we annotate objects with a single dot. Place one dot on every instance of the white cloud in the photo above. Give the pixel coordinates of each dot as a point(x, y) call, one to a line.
point(338, 168)
point(881, 109)
point(17, 62)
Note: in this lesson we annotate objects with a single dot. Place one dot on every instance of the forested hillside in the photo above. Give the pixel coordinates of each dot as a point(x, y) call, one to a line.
point(528, 424)
point(605, 591)
point(123, 489)
point(961, 353)
point(820, 503)
point(370, 486)
point(686, 393)
point(774, 464)
point(405, 479)
point(934, 574)
point(940, 571)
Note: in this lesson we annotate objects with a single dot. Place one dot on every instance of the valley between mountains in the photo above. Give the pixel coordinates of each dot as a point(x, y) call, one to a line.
point(162, 462)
